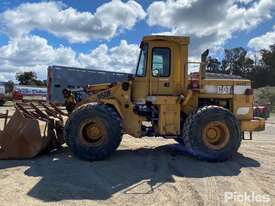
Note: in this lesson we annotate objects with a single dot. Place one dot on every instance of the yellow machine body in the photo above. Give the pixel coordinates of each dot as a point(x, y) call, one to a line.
point(173, 93)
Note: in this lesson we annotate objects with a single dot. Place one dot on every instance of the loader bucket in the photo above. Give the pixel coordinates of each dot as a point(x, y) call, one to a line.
point(30, 131)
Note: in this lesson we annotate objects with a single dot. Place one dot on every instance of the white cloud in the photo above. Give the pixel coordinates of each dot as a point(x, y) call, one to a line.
point(33, 53)
point(263, 41)
point(27, 52)
point(208, 24)
point(33, 50)
point(69, 23)
point(121, 58)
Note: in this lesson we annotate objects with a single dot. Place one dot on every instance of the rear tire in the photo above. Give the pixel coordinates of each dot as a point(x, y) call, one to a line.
point(212, 133)
point(93, 131)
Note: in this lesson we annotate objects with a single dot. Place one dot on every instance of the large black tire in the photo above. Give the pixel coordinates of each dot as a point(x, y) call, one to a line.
point(80, 124)
point(194, 133)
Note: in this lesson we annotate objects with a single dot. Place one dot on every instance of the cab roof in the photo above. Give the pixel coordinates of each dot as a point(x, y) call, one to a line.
point(178, 39)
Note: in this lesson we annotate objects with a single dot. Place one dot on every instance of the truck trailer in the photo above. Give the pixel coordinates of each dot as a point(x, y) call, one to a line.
point(61, 77)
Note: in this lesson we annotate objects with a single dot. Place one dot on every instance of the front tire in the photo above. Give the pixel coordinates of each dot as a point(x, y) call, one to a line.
point(212, 133)
point(93, 131)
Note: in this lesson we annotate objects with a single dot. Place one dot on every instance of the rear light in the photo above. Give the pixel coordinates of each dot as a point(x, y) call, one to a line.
point(249, 91)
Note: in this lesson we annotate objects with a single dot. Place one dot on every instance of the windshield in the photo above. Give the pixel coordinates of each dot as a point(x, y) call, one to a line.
point(141, 67)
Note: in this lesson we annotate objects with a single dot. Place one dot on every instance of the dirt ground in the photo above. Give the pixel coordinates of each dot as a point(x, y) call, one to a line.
point(149, 171)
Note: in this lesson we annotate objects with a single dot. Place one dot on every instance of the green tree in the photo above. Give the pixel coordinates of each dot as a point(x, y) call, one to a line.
point(29, 78)
point(214, 65)
point(26, 78)
point(236, 62)
point(268, 62)
point(9, 86)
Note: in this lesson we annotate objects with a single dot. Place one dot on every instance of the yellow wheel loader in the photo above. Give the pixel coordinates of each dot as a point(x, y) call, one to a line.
point(206, 115)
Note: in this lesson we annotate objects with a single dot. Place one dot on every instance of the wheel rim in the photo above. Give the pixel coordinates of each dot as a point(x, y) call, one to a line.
point(216, 135)
point(93, 133)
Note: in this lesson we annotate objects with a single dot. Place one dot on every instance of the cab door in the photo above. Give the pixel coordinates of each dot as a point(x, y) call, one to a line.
point(140, 86)
point(161, 68)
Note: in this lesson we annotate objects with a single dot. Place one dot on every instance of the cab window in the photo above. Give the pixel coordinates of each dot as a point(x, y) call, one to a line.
point(161, 62)
point(141, 67)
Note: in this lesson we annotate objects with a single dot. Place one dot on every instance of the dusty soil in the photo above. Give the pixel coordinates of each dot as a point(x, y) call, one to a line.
point(149, 171)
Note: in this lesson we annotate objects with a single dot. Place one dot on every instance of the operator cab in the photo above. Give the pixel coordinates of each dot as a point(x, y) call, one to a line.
point(161, 68)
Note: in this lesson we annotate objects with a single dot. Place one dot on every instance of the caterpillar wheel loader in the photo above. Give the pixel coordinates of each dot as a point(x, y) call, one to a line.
point(206, 115)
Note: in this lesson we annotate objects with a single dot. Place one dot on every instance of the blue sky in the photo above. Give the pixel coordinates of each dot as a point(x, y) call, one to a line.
point(105, 34)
